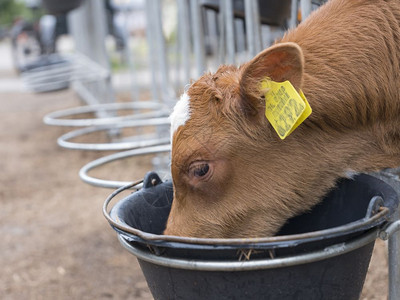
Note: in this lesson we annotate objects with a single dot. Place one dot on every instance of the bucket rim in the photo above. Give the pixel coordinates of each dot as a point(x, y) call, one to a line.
point(255, 264)
point(381, 216)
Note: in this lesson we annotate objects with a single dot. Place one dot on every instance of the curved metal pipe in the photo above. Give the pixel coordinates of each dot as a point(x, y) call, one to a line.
point(159, 110)
point(142, 141)
point(83, 173)
point(310, 236)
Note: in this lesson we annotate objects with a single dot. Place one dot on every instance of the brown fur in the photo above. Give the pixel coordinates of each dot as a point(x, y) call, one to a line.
point(345, 57)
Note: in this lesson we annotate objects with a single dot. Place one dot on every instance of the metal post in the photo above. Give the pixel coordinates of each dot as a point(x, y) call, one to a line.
point(152, 55)
point(240, 36)
point(213, 20)
point(293, 14)
point(257, 26)
point(394, 248)
point(230, 35)
point(129, 57)
point(198, 37)
point(306, 7)
point(88, 27)
point(167, 93)
point(184, 38)
point(394, 263)
point(249, 27)
point(222, 37)
point(253, 30)
point(393, 234)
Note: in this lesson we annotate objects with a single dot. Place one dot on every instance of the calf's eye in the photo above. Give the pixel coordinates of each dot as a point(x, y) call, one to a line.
point(199, 169)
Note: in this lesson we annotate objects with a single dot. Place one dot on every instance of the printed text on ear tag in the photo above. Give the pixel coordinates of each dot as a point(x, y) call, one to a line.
point(285, 108)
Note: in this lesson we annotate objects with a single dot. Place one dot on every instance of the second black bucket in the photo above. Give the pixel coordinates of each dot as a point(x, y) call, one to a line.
point(323, 254)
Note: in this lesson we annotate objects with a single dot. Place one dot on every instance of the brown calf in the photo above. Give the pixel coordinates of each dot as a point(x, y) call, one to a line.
point(234, 177)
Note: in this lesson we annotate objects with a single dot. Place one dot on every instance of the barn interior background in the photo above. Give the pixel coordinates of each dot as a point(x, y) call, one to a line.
point(105, 75)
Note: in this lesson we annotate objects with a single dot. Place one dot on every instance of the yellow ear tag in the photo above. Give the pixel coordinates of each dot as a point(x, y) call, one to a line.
point(285, 108)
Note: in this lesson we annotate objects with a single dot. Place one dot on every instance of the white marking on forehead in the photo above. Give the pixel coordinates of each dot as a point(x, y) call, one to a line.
point(180, 114)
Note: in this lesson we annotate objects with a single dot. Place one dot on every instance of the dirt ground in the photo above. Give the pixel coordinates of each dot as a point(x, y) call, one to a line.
point(55, 242)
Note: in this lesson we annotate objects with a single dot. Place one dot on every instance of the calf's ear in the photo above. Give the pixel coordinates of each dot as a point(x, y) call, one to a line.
point(280, 62)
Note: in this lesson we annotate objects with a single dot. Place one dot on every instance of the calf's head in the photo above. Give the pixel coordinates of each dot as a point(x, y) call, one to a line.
point(226, 160)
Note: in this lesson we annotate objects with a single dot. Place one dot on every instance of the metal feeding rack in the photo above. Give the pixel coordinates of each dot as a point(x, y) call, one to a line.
point(147, 119)
point(105, 114)
point(57, 71)
point(160, 136)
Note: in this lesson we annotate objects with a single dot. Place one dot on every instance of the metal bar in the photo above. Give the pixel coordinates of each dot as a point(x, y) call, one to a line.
point(184, 37)
point(230, 34)
point(240, 36)
point(152, 54)
point(228, 266)
point(167, 93)
point(393, 234)
point(222, 37)
point(306, 8)
point(212, 20)
point(248, 11)
point(130, 57)
point(256, 27)
point(394, 247)
point(293, 14)
point(198, 37)
point(89, 31)
point(394, 264)
point(178, 48)
point(253, 27)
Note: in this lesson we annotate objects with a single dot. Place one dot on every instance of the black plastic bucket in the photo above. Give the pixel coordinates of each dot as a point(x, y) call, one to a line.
point(323, 254)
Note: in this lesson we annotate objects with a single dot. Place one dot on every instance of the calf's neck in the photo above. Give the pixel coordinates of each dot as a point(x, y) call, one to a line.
point(234, 177)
